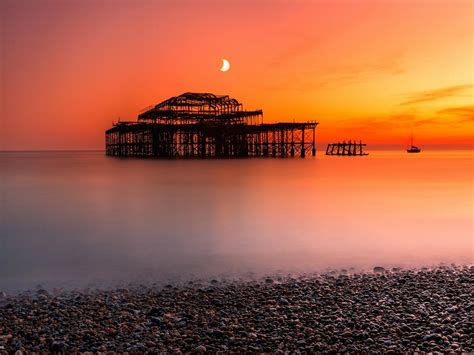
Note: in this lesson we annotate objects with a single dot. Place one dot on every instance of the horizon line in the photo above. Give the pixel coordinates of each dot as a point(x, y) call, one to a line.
point(438, 146)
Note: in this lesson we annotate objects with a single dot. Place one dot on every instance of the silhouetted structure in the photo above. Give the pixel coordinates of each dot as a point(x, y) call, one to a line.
point(206, 125)
point(349, 148)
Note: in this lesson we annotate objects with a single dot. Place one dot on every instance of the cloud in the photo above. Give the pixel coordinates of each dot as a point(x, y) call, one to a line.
point(396, 122)
point(336, 75)
point(437, 94)
point(377, 124)
point(454, 117)
point(459, 110)
point(463, 113)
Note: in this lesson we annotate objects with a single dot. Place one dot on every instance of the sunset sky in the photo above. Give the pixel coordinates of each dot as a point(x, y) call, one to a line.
point(372, 70)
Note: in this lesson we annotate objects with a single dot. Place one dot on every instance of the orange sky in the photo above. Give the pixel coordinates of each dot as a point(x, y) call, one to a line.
point(372, 70)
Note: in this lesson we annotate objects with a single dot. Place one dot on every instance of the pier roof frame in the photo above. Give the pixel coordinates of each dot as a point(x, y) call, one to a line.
point(198, 107)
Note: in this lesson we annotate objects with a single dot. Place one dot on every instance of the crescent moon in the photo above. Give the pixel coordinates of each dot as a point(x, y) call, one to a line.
point(225, 65)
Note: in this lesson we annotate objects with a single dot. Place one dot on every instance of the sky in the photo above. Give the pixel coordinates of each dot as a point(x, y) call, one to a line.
point(375, 70)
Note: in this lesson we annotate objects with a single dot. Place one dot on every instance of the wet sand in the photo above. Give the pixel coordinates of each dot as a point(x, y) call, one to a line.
point(390, 311)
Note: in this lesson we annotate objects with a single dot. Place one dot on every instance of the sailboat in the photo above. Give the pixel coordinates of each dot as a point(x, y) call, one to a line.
point(413, 148)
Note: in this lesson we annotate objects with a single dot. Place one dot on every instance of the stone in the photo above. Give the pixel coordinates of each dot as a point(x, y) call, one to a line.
point(347, 334)
point(200, 349)
point(58, 347)
point(154, 312)
point(452, 309)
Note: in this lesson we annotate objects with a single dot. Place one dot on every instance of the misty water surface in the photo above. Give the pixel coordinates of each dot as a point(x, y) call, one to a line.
point(76, 218)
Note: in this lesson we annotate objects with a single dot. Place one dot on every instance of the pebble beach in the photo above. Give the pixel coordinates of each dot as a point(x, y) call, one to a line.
point(418, 310)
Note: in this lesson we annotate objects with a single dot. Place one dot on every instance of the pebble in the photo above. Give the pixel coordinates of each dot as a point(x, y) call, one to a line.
point(407, 311)
point(200, 349)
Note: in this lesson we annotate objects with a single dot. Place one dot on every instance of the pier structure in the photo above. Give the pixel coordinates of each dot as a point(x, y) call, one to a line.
point(350, 148)
point(204, 125)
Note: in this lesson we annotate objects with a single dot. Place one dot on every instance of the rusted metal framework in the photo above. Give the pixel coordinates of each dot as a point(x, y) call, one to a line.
point(206, 125)
point(351, 148)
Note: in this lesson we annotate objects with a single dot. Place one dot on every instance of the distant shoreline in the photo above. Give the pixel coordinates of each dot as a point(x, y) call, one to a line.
point(396, 310)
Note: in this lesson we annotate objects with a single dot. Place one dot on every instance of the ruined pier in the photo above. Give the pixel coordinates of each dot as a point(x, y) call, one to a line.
point(204, 125)
point(350, 148)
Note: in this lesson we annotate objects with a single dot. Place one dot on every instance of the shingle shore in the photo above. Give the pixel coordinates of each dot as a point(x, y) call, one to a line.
point(389, 311)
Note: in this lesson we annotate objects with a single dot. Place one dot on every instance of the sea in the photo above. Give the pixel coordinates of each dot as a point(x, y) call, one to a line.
point(82, 219)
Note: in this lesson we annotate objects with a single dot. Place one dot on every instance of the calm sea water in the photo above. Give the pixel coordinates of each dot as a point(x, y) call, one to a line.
point(76, 218)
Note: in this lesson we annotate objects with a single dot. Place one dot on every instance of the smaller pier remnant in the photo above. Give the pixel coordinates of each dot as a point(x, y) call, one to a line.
point(350, 148)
